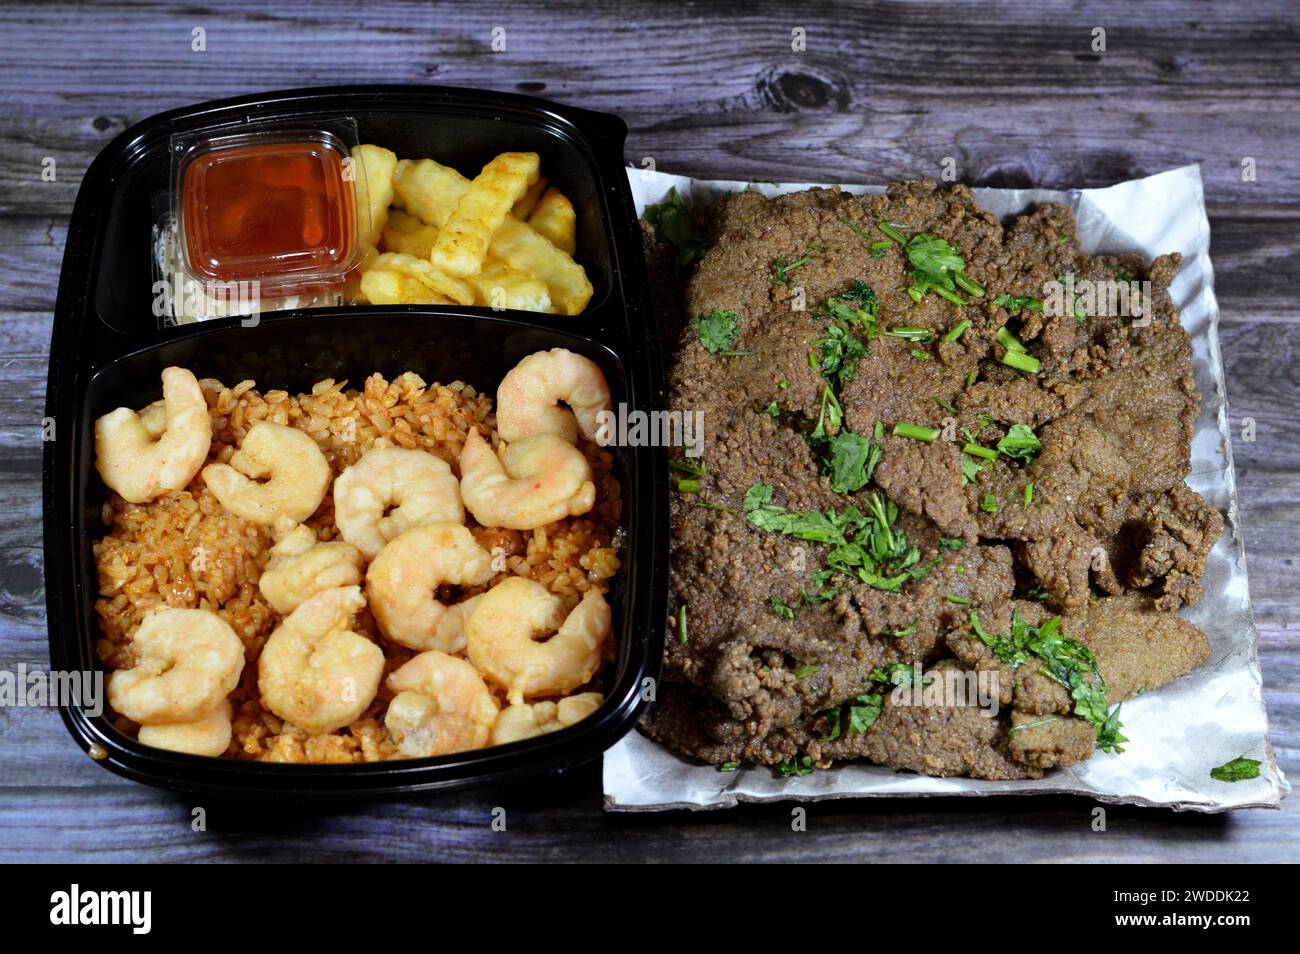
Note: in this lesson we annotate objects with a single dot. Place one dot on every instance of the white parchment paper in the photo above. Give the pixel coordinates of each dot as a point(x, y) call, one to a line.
point(1178, 733)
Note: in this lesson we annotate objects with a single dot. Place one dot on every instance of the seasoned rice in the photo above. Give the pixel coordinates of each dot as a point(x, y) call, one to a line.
point(185, 550)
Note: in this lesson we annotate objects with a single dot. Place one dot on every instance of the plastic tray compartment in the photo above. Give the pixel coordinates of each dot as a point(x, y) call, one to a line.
point(109, 348)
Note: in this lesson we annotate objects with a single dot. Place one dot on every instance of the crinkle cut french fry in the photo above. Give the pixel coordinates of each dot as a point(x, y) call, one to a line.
point(458, 290)
point(429, 190)
point(375, 177)
point(387, 286)
point(500, 286)
point(407, 234)
point(519, 246)
point(524, 207)
point(463, 241)
point(555, 219)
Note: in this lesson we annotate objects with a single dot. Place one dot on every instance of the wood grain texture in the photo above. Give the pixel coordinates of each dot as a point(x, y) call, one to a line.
point(1013, 92)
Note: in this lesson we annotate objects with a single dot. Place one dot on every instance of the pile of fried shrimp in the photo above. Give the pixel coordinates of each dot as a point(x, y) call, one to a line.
point(352, 576)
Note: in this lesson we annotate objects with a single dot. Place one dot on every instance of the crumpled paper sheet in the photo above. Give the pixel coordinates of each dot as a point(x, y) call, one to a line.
point(1178, 733)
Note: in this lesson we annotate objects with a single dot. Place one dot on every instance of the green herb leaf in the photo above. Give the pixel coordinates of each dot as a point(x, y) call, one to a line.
point(1016, 303)
point(783, 610)
point(717, 330)
point(795, 768)
point(673, 224)
point(1238, 770)
point(864, 711)
point(853, 460)
point(1020, 443)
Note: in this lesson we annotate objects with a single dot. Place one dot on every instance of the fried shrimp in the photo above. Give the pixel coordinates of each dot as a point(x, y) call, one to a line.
point(440, 705)
point(209, 735)
point(535, 481)
point(529, 395)
point(301, 566)
point(525, 721)
point(419, 487)
point(314, 671)
point(298, 475)
point(452, 634)
point(143, 456)
point(503, 639)
point(186, 662)
point(403, 578)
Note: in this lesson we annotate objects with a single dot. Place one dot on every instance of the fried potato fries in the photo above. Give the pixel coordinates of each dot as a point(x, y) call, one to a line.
point(506, 239)
point(500, 286)
point(407, 234)
point(463, 242)
point(554, 218)
point(437, 282)
point(524, 207)
point(377, 166)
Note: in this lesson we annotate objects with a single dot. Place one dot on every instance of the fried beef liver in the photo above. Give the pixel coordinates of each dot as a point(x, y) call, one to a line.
point(772, 661)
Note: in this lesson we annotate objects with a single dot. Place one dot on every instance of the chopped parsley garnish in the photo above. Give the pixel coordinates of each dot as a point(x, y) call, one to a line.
point(923, 335)
point(806, 671)
point(864, 714)
point(672, 223)
point(1015, 355)
point(898, 674)
point(979, 450)
point(857, 230)
point(951, 543)
point(970, 469)
point(840, 352)
point(1020, 443)
point(728, 766)
point(945, 405)
point(938, 267)
point(1029, 494)
point(852, 460)
point(900, 633)
point(817, 596)
point(691, 484)
point(990, 504)
point(781, 269)
point(1238, 770)
point(858, 304)
point(863, 711)
point(957, 330)
point(717, 330)
point(783, 610)
point(915, 431)
point(891, 229)
point(772, 410)
point(1016, 303)
point(795, 768)
point(866, 546)
point(1066, 661)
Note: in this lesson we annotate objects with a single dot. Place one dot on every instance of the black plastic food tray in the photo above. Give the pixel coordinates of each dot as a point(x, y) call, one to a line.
point(108, 350)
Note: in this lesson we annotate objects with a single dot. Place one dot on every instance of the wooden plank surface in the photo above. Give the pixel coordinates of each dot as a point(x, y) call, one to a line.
point(1014, 92)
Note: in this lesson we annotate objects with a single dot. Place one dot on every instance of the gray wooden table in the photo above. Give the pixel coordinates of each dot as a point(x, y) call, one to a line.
point(1016, 93)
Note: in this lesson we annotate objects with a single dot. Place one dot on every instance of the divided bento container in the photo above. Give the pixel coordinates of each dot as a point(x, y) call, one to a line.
point(109, 348)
